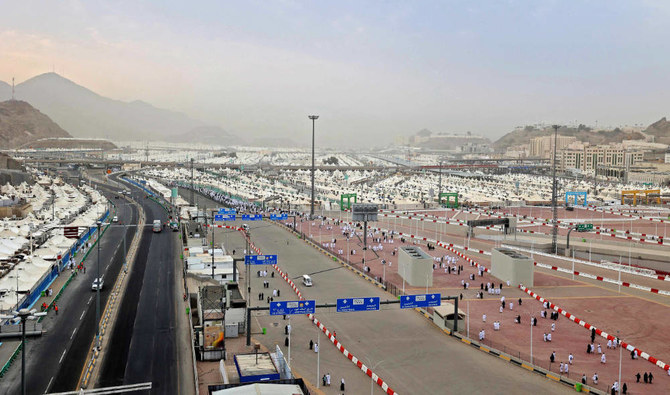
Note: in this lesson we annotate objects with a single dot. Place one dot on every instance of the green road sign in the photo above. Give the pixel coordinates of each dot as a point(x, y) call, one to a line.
point(584, 227)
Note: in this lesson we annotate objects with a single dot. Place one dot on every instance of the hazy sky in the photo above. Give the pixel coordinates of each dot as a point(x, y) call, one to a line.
point(370, 69)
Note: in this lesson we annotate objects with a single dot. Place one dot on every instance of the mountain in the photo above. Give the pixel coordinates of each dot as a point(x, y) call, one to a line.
point(660, 130)
point(582, 133)
point(5, 91)
point(21, 123)
point(87, 114)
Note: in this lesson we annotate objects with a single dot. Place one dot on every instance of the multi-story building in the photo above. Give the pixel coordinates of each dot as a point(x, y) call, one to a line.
point(589, 158)
point(542, 147)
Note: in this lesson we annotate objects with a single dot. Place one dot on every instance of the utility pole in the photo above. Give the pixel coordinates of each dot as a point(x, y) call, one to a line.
point(311, 208)
point(554, 193)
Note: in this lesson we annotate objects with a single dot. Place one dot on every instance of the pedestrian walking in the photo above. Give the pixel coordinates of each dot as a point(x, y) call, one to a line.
point(342, 384)
point(651, 377)
point(286, 341)
point(311, 344)
point(56, 308)
point(595, 378)
point(646, 378)
point(625, 388)
point(552, 357)
point(637, 377)
point(584, 379)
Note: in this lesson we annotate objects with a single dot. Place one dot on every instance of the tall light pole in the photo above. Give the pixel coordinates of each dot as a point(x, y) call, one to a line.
point(439, 188)
point(311, 207)
point(97, 295)
point(24, 315)
point(554, 192)
point(620, 360)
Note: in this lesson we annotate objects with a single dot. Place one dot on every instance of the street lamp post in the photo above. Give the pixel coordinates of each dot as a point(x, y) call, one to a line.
point(24, 315)
point(311, 208)
point(620, 360)
point(554, 196)
point(439, 188)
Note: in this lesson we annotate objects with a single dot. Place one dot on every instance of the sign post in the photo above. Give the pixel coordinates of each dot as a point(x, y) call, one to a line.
point(260, 259)
point(357, 304)
point(293, 307)
point(422, 300)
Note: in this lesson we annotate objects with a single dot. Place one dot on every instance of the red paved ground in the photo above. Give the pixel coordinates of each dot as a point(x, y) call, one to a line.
point(641, 322)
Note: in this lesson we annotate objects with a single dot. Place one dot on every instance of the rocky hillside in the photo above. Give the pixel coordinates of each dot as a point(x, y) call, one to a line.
point(21, 123)
point(660, 130)
point(582, 133)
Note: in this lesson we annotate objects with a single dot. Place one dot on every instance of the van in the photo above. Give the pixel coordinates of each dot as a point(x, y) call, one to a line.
point(307, 280)
point(157, 227)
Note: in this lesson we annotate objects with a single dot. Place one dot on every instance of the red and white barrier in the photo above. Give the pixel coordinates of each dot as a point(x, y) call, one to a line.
point(599, 332)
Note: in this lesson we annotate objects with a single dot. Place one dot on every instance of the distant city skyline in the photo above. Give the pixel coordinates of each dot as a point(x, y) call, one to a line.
point(371, 70)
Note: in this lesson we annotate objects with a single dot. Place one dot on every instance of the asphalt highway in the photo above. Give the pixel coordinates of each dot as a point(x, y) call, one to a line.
point(55, 360)
point(144, 343)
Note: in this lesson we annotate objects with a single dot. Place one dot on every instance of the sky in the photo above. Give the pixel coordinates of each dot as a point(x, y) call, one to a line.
point(370, 69)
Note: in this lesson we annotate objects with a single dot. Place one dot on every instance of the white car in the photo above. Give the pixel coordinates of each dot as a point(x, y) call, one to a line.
point(98, 282)
point(115, 219)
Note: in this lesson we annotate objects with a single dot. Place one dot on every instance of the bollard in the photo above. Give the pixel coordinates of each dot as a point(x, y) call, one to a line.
point(188, 310)
point(264, 331)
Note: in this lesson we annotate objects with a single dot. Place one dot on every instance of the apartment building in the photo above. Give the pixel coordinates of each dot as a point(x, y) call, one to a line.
point(589, 158)
point(542, 147)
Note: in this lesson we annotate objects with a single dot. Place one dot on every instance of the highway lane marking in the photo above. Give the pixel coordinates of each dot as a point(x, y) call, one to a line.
point(73, 332)
point(49, 385)
point(89, 300)
point(82, 315)
point(62, 356)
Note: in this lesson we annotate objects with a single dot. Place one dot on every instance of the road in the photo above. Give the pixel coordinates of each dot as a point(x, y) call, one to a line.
point(404, 348)
point(146, 341)
point(55, 360)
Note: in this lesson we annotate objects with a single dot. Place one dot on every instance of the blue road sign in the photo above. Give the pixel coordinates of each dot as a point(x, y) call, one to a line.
point(227, 211)
point(218, 217)
point(278, 217)
point(423, 300)
point(227, 217)
point(252, 217)
point(260, 259)
point(295, 307)
point(357, 304)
